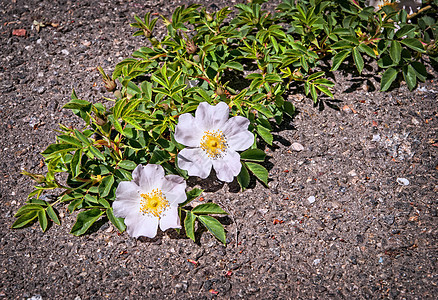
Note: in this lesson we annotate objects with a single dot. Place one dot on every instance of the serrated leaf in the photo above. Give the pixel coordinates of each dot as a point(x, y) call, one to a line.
point(189, 225)
point(243, 177)
point(70, 140)
point(127, 164)
point(414, 44)
point(191, 195)
point(259, 171)
point(52, 215)
point(42, 219)
point(387, 79)
point(105, 186)
point(84, 221)
point(96, 152)
point(253, 155)
point(75, 163)
point(367, 49)
point(25, 219)
point(410, 77)
point(289, 108)
point(208, 208)
point(214, 226)
point(26, 208)
point(420, 70)
point(91, 199)
point(358, 60)
point(265, 134)
point(395, 51)
point(232, 65)
point(338, 59)
point(118, 222)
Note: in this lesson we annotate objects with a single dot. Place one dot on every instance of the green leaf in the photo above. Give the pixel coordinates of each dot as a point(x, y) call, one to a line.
point(410, 77)
point(243, 177)
point(358, 60)
point(96, 152)
point(105, 186)
point(289, 108)
point(253, 155)
point(414, 44)
point(265, 134)
point(83, 138)
point(259, 171)
point(404, 30)
point(42, 218)
point(338, 59)
point(75, 163)
point(26, 208)
point(118, 222)
point(420, 70)
point(25, 219)
point(214, 226)
point(395, 51)
point(85, 220)
point(91, 198)
point(52, 215)
point(189, 225)
point(127, 165)
point(208, 208)
point(78, 104)
point(367, 49)
point(387, 79)
point(53, 149)
point(232, 65)
point(191, 195)
point(325, 90)
point(70, 140)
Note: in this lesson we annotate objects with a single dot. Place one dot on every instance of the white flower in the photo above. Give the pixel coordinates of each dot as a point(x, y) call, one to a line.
point(148, 200)
point(212, 140)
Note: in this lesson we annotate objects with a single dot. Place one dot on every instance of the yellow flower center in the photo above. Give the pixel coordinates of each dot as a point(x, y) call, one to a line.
point(214, 143)
point(153, 203)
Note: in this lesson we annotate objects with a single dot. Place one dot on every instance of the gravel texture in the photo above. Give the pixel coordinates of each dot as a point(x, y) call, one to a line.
point(351, 212)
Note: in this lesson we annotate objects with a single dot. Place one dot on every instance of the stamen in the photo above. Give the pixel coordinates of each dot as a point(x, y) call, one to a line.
point(214, 143)
point(153, 203)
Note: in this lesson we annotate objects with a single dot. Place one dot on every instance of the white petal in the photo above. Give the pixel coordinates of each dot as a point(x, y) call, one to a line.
point(174, 188)
point(228, 166)
point(237, 134)
point(194, 161)
point(122, 209)
point(187, 132)
point(127, 191)
point(170, 219)
point(148, 177)
point(209, 117)
point(141, 225)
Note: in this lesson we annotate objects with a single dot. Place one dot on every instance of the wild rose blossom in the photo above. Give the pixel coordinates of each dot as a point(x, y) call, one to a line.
point(148, 200)
point(212, 140)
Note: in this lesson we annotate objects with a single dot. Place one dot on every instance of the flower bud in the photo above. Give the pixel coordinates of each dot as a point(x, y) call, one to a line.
point(147, 32)
point(219, 91)
point(191, 47)
point(118, 94)
point(196, 58)
point(110, 85)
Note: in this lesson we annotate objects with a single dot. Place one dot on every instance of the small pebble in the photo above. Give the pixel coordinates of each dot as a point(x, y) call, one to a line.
point(402, 181)
point(311, 199)
point(376, 138)
point(316, 261)
point(352, 173)
point(65, 52)
point(297, 147)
